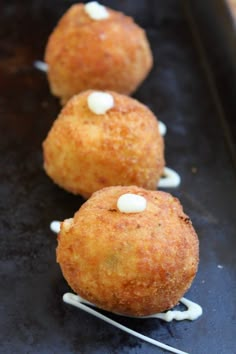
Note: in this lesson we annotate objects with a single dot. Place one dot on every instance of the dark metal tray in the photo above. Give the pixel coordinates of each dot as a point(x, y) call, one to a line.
point(33, 317)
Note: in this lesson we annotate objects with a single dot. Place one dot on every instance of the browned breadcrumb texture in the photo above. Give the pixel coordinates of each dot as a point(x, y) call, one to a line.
point(133, 264)
point(85, 152)
point(83, 53)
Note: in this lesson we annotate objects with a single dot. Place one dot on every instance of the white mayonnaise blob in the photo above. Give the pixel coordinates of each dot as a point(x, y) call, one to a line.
point(171, 179)
point(100, 102)
point(40, 65)
point(55, 226)
point(162, 128)
point(96, 11)
point(131, 203)
point(79, 302)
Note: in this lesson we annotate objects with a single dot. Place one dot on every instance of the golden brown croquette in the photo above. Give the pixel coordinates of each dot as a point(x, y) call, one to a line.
point(129, 263)
point(82, 53)
point(85, 152)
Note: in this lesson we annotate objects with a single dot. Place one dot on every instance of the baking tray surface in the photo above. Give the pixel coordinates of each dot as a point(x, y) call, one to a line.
point(33, 317)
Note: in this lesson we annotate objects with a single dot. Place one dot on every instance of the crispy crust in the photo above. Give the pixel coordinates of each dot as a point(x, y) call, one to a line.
point(85, 152)
point(83, 54)
point(133, 264)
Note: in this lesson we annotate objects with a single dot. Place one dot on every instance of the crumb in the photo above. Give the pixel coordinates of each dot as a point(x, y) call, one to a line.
point(194, 170)
point(44, 104)
point(67, 224)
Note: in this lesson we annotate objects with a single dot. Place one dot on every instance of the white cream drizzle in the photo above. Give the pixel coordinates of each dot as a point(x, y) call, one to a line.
point(55, 226)
point(100, 102)
point(162, 128)
point(40, 65)
point(79, 302)
point(131, 203)
point(96, 11)
point(193, 312)
point(171, 179)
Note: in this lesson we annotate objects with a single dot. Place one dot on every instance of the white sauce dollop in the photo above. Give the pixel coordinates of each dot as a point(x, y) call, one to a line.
point(40, 65)
point(131, 203)
point(193, 312)
point(55, 227)
point(96, 11)
point(162, 128)
point(100, 102)
point(171, 179)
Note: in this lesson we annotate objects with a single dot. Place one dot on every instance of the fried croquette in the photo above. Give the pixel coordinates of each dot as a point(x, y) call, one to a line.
point(84, 53)
point(85, 151)
point(136, 263)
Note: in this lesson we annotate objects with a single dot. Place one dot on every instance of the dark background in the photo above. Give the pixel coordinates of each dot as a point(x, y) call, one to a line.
point(193, 104)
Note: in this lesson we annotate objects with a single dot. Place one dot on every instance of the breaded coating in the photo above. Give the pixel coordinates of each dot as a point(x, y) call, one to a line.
point(85, 152)
point(82, 53)
point(133, 264)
